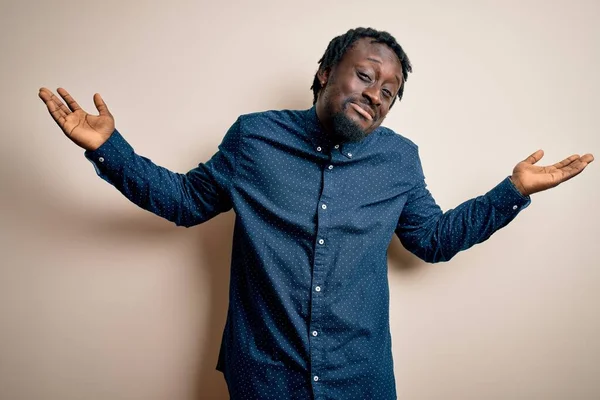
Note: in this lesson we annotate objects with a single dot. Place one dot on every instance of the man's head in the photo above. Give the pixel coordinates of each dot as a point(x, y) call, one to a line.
point(360, 76)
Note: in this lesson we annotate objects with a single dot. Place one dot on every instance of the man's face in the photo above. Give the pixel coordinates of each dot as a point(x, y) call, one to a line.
point(357, 92)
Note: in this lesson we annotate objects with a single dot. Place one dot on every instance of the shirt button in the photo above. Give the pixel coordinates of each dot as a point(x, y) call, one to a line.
point(515, 207)
point(337, 146)
point(101, 159)
point(316, 378)
point(318, 288)
point(319, 149)
point(350, 155)
point(321, 241)
point(314, 333)
point(324, 206)
point(330, 167)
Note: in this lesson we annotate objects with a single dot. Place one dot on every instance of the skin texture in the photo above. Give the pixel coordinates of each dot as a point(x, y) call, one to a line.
point(85, 130)
point(355, 99)
point(367, 78)
point(530, 178)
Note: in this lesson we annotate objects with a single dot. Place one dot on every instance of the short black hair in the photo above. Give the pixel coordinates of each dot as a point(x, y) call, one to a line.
point(338, 46)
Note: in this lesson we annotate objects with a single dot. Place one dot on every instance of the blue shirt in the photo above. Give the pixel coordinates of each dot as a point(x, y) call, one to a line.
point(308, 309)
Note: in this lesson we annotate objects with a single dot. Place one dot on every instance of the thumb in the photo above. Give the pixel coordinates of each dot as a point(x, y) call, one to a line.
point(101, 105)
point(535, 157)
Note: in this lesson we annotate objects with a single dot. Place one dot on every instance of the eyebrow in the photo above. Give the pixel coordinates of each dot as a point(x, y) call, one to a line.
point(379, 62)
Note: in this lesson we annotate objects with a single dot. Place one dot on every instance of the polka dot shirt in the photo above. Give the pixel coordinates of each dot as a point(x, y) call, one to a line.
point(309, 304)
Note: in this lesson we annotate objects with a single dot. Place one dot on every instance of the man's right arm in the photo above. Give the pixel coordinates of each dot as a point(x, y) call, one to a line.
point(184, 199)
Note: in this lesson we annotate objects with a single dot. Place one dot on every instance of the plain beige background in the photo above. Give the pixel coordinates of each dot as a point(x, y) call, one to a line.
point(102, 300)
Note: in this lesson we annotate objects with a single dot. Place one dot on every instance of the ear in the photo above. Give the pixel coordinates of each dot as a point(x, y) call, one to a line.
point(323, 76)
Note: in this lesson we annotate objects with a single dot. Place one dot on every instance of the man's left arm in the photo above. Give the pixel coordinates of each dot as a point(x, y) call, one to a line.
point(435, 236)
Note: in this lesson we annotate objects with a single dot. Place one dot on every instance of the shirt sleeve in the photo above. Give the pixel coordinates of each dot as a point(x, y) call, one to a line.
point(184, 199)
point(436, 236)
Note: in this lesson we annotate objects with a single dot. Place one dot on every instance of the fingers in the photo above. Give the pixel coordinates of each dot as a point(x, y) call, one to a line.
point(566, 161)
point(575, 167)
point(535, 157)
point(60, 111)
point(575, 161)
point(60, 104)
point(100, 105)
point(572, 170)
point(55, 110)
point(70, 101)
point(588, 158)
point(570, 166)
point(47, 95)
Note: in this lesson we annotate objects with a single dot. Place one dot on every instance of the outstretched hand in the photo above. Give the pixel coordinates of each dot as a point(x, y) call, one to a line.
point(530, 178)
point(85, 130)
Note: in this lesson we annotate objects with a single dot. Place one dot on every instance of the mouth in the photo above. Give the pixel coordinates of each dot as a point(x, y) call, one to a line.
point(365, 113)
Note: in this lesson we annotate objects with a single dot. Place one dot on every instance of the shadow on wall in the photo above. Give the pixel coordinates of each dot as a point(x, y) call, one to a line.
point(215, 243)
point(33, 209)
point(210, 249)
point(402, 261)
point(211, 242)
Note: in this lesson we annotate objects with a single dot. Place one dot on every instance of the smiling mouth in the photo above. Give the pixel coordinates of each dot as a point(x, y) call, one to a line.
point(362, 112)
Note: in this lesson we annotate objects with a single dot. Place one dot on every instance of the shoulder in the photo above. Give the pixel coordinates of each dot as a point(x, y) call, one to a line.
point(269, 118)
point(396, 149)
point(273, 126)
point(395, 141)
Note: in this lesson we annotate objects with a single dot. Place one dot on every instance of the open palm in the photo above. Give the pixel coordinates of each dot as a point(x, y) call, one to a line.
point(530, 178)
point(86, 130)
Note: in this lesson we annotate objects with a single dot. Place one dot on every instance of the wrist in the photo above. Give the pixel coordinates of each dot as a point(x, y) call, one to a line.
point(517, 184)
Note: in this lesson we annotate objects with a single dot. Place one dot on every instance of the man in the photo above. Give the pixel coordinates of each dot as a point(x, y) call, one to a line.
point(318, 195)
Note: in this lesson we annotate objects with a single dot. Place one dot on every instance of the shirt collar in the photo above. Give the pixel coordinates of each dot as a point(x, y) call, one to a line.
point(313, 128)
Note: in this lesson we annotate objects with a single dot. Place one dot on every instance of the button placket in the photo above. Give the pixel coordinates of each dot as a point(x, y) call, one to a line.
point(321, 261)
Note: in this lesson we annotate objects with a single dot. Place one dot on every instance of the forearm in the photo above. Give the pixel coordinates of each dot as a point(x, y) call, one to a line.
point(171, 195)
point(435, 236)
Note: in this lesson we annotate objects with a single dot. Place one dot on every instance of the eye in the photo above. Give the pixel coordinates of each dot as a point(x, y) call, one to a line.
point(387, 93)
point(363, 76)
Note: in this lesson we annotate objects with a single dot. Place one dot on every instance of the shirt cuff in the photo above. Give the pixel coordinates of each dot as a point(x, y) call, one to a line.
point(506, 198)
point(111, 156)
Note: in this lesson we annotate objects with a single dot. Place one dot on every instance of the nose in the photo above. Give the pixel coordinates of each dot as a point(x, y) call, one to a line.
point(372, 94)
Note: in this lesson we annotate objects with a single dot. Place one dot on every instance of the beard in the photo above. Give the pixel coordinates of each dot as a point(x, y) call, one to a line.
point(345, 129)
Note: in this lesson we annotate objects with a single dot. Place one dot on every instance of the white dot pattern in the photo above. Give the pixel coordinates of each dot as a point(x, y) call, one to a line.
point(308, 314)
